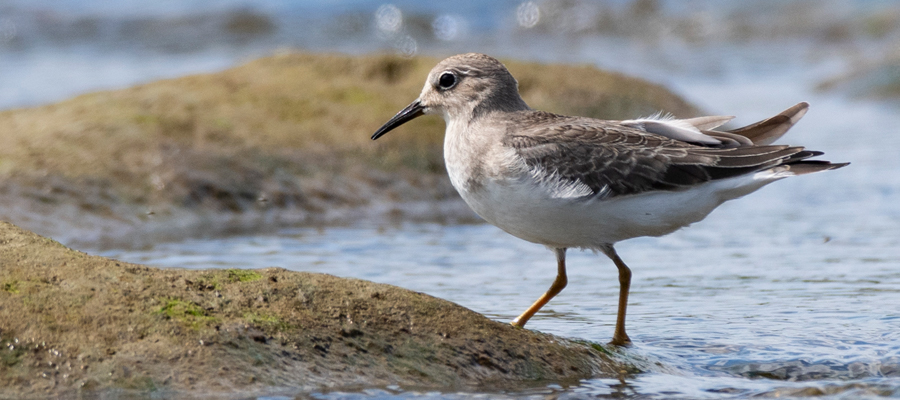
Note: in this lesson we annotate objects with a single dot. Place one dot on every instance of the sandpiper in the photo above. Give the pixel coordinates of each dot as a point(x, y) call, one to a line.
point(576, 182)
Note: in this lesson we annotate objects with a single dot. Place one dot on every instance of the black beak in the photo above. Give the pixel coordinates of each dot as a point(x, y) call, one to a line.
point(410, 112)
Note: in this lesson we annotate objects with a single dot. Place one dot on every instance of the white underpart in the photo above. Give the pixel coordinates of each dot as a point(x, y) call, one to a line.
point(530, 210)
point(685, 130)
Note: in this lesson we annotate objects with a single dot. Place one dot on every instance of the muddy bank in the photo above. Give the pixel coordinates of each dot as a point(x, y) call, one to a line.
point(279, 141)
point(72, 322)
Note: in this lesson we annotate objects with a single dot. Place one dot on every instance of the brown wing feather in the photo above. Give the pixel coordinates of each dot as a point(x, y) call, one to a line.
point(769, 130)
point(616, 160)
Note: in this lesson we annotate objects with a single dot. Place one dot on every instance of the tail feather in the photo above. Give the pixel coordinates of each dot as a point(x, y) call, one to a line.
point(729, 139)
point(802, 155)
point(769, 130)
point(808, 167)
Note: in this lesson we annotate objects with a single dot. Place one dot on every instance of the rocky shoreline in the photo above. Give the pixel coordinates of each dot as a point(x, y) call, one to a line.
point(74, 322)
point(277, 142)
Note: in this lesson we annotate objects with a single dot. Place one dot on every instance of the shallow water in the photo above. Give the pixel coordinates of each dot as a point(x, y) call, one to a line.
point(793, 291)
point(752, 301)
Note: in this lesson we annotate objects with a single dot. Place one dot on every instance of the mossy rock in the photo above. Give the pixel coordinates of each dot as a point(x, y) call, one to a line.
point(81, 323)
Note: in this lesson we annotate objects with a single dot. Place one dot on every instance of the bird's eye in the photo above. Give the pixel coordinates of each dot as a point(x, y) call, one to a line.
point(447, 80)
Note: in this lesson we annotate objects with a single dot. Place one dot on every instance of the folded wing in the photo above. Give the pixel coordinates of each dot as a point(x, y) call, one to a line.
point(584, 157)
point(702, 130)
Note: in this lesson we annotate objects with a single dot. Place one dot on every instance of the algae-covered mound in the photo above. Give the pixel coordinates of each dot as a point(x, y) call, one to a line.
point(283, 139)
point(74, 322)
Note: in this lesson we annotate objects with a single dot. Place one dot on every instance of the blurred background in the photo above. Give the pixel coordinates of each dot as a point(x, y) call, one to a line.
point(52, 49)
point(789, 292)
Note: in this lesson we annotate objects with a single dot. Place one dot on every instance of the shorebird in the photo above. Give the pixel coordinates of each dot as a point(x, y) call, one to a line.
point(576, 182)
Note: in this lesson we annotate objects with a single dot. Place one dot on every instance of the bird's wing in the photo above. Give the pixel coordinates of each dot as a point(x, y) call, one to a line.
point(685, 130)
point(582, 157)
point(702, 130)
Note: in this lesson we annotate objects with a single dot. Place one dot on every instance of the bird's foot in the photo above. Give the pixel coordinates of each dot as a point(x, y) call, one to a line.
point(620, 341)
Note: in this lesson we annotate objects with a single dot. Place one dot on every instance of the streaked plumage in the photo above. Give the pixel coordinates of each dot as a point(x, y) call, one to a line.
point(565, 181)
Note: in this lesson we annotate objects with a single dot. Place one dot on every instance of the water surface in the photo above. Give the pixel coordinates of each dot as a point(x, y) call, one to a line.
point(793, 291)
point(752, 301)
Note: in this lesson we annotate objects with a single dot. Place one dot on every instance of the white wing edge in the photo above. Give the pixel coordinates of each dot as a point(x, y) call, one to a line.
point(685, 130)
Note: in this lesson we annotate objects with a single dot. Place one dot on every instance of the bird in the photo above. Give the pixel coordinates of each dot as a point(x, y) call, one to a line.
point(577, 182)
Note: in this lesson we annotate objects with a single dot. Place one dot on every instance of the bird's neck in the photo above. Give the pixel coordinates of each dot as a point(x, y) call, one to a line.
point(499, 102)
point(466, 142)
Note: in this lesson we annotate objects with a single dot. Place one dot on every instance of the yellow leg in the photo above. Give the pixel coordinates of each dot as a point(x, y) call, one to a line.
point(555, 288)
point(620, 338)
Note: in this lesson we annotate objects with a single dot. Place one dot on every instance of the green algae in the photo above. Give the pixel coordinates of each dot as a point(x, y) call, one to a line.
point(243, 275)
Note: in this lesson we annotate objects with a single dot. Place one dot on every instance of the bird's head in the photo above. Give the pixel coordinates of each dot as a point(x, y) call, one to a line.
point(463, 86)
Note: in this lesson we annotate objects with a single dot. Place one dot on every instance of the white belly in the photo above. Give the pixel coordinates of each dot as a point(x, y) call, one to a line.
point(528, 211)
